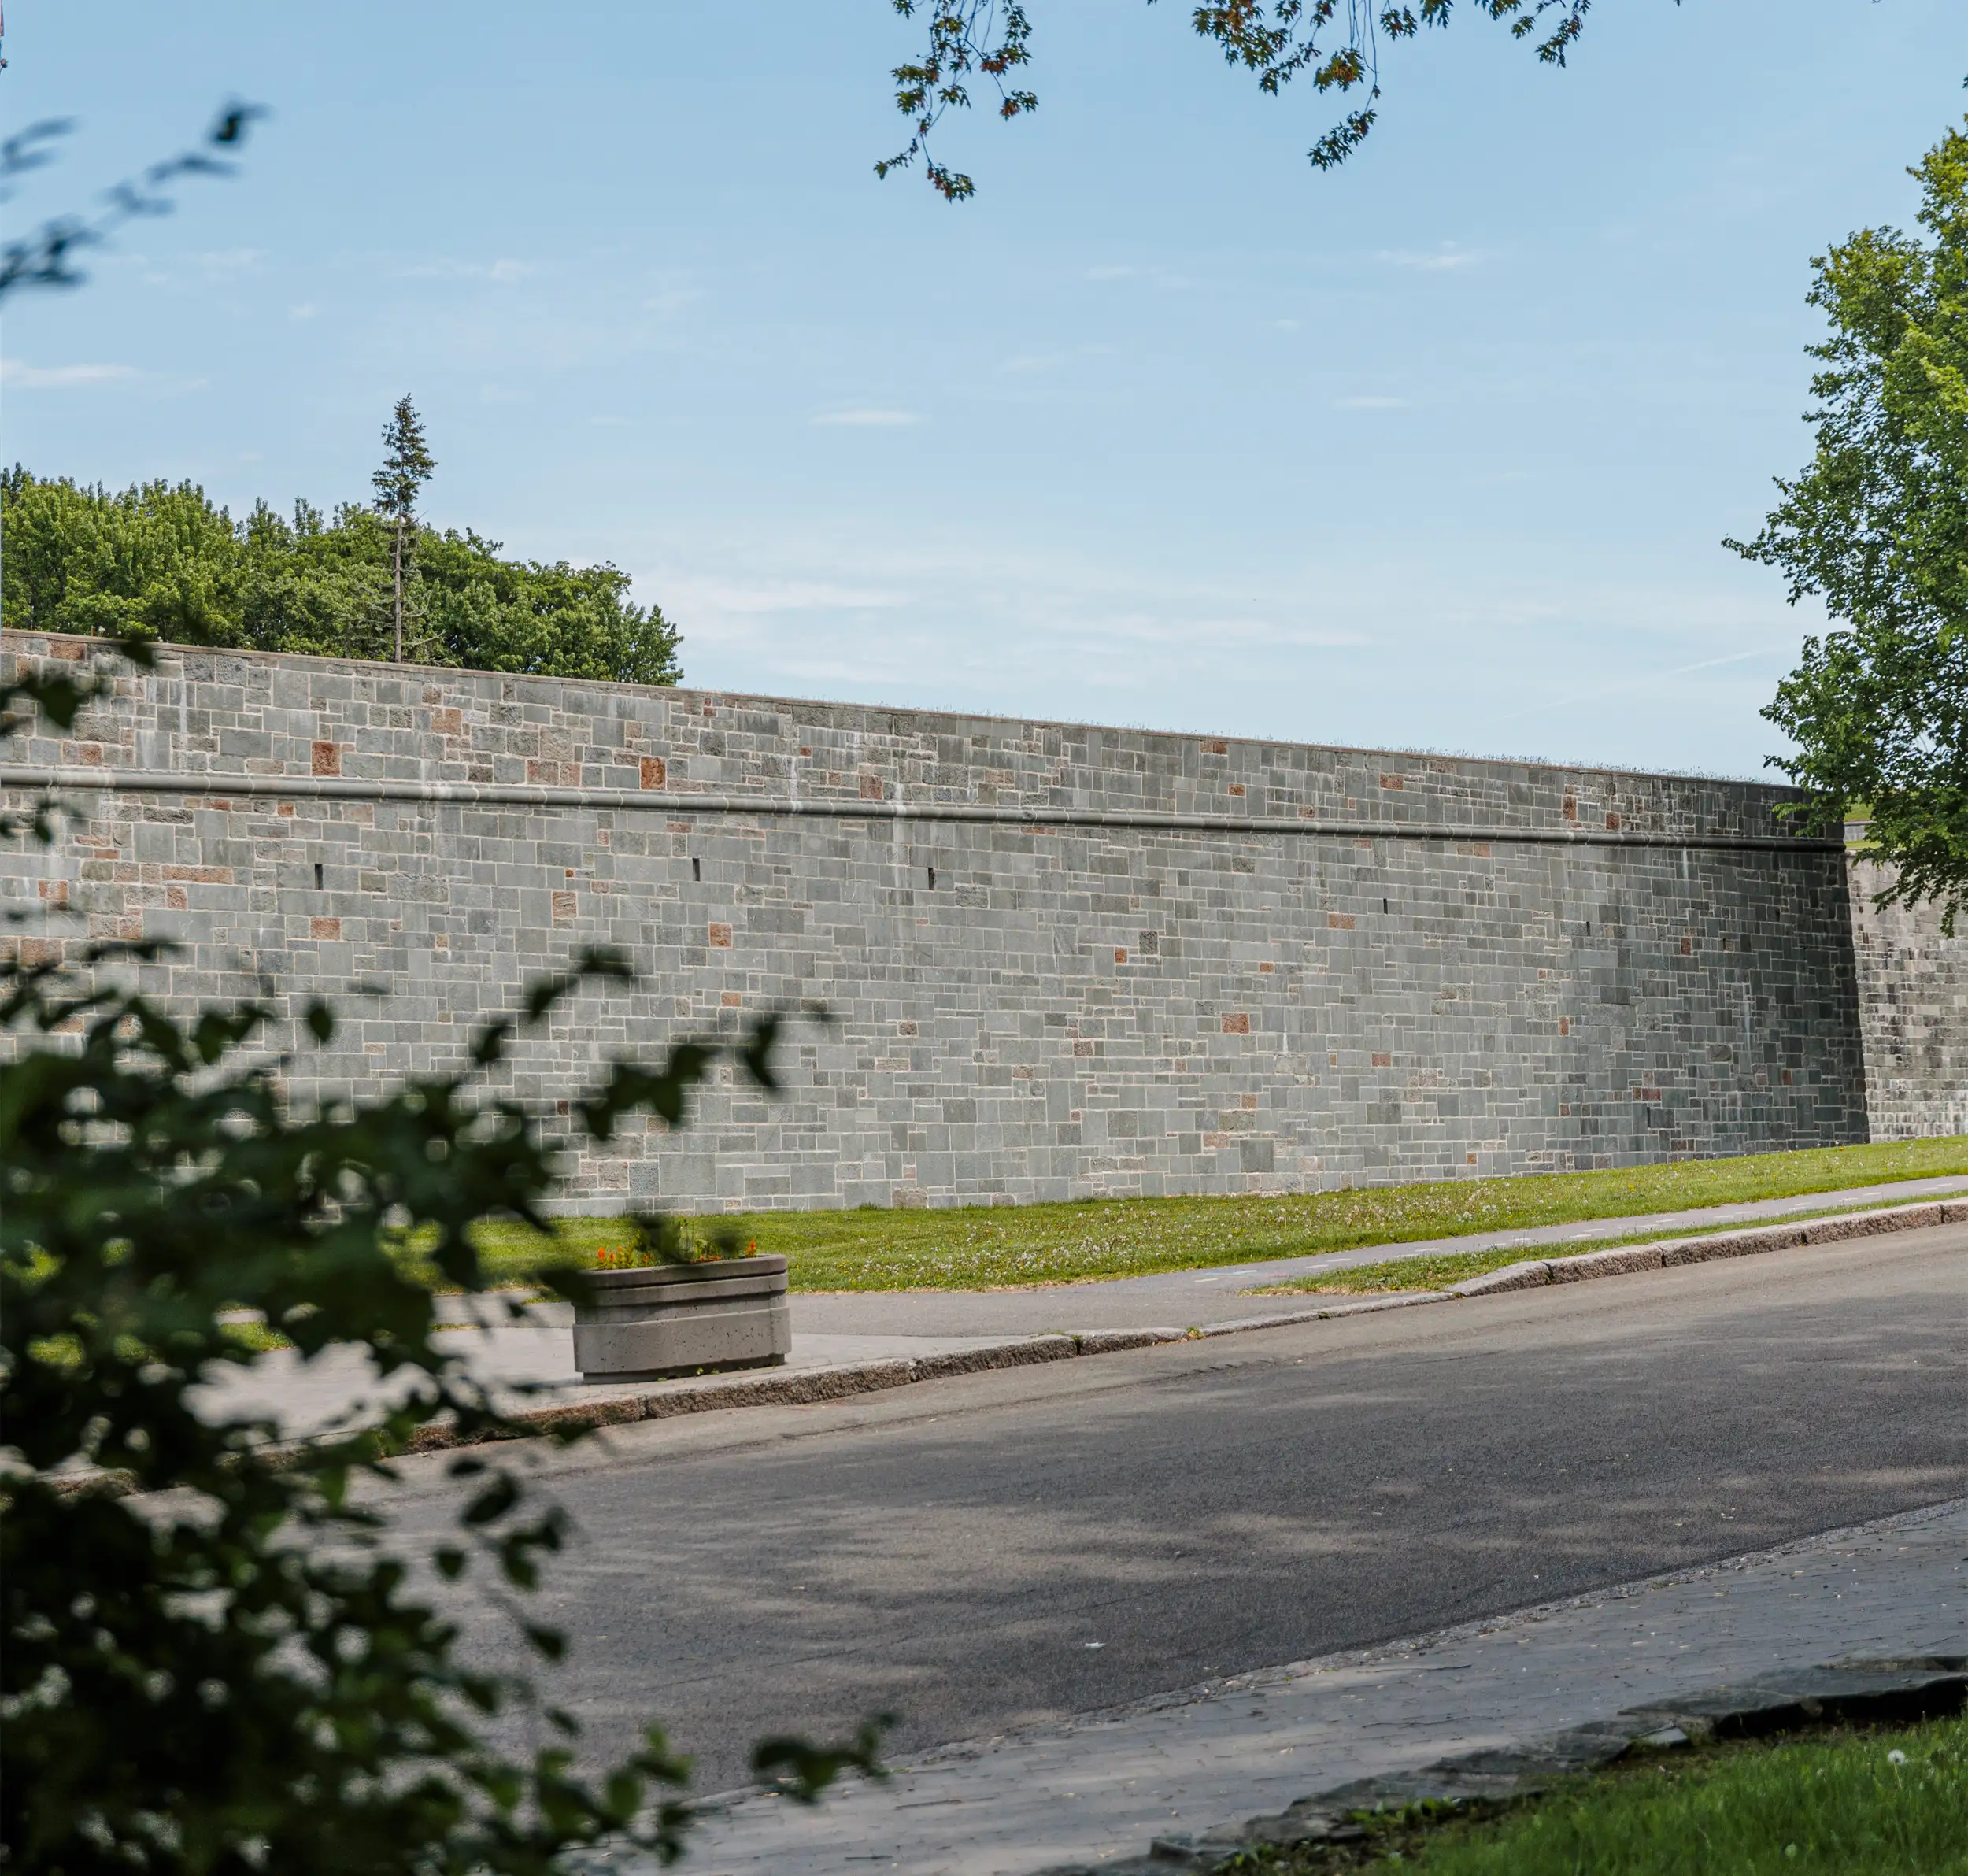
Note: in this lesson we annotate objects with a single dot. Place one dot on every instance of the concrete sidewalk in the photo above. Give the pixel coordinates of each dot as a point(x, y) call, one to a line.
point(1104, 1786)
point(842, 1333)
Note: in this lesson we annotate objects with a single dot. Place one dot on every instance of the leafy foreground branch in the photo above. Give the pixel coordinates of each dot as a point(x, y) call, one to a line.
point(227, 1672)
point(1334, 44)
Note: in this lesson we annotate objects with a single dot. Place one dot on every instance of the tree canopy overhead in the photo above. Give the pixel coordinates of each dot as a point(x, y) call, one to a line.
point(161, 560)
point(1334, 43)
point(1877, 523)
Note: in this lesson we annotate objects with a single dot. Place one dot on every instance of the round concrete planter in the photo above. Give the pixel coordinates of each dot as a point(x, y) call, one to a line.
point(678, 1319)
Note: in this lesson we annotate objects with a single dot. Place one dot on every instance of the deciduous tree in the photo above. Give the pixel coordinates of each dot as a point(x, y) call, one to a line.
point(161, 561)
point(1877, 523)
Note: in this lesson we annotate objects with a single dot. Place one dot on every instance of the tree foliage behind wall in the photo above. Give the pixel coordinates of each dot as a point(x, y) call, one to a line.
point(1877, 523)
point(160, 560)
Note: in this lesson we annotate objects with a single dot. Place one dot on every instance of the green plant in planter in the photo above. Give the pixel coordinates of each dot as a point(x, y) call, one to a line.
point(211, 1665)
point(670, 1241)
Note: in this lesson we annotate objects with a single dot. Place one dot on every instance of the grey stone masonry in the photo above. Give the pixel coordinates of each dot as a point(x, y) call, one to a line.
point(1913, 1009)
point(1060, 960)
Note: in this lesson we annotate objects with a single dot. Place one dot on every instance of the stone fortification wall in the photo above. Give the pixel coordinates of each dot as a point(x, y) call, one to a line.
point(1912, 1003)
point(1063, 960)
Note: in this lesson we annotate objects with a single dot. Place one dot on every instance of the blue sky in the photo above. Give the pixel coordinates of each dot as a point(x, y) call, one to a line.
point(1165, 428)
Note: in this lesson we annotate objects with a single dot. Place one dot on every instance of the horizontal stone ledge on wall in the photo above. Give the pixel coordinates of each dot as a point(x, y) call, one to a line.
point(516, 794)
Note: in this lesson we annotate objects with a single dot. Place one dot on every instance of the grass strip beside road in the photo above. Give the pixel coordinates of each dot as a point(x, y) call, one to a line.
point(1438, 1270)
point(1856, 1803)
point(998, 1247)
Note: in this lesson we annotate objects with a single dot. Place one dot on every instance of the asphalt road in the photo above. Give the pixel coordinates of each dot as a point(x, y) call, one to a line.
point(952, 1550)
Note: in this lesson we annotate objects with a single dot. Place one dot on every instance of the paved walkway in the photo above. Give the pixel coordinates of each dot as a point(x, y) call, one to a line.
point(1105, 1786)
point(832, 1329)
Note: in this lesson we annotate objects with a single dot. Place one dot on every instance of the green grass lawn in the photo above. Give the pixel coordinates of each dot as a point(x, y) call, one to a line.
point(1007, 1246)
point(1857, 1803)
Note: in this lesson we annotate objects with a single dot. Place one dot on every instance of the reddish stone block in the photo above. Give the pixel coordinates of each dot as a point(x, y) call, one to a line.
point(1238, 1025)
point(720, 937)
point(325, 928)
point(327, 759)
point(564, 904)
point(655, 772)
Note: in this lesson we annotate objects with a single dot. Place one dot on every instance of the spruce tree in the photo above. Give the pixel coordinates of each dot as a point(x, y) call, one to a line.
point(407, 465)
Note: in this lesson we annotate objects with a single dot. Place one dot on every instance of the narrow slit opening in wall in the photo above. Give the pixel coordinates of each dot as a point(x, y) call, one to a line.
point(932, 879)
point(317, 876)
point(1383, 906)
point(697, 868)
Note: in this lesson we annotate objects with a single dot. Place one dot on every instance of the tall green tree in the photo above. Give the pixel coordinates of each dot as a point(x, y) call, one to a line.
point(1877, 524)
point(408, 464)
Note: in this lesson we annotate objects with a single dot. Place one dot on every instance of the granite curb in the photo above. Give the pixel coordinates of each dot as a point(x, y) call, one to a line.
point(667, 1400)
point(1897, 1691)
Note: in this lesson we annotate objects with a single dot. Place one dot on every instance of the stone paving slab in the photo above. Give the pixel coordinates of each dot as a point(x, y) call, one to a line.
point(1099, 1790)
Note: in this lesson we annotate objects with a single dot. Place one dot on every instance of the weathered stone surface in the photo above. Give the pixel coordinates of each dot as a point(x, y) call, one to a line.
point(1613, 1262)
point(1297, 986)
point(638, 1324)
point(1913, 1007)
point(1527, 1275)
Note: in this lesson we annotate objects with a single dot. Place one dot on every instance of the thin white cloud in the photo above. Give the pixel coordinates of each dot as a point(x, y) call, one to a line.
point(1370, 403)
point(501, 272)
point(672, 297)
point(1445, 259)
point(869, 419)
point(22, 376)
point(306, 310)
point(761, 598)
point(229, 260)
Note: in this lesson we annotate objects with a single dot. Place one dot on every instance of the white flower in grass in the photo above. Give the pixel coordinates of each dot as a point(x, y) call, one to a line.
point(1896, 1757)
